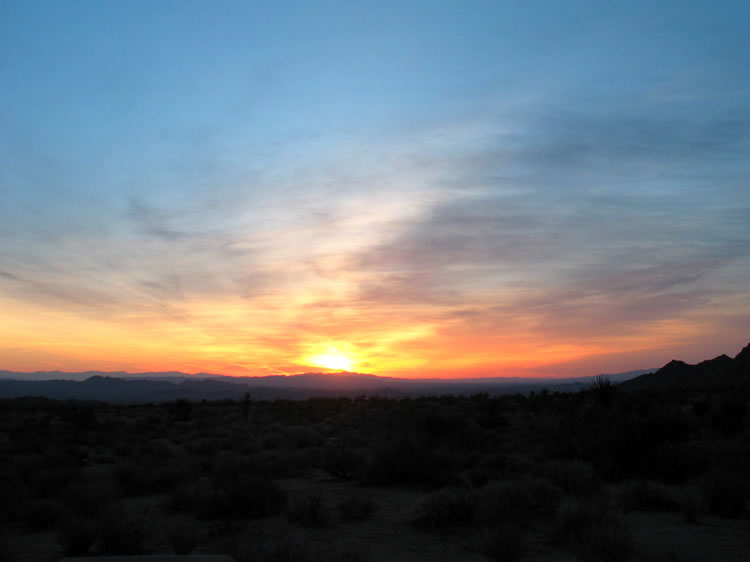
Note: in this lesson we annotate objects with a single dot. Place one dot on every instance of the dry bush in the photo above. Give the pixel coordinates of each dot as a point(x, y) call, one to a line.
point(356, 508)
point(308, 510)
point(446, 509)
point(611, 542)
point(576, 478)
point(645, 495)
point(725, 493)
point(123, 534)
point(505, 543)
point(40, 515)
point(182, 537)
point(77, 535)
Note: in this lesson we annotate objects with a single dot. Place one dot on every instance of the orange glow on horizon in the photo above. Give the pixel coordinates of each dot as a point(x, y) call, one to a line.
point(228, 337)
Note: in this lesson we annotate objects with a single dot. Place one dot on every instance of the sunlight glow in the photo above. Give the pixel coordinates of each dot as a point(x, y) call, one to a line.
point(332, 360)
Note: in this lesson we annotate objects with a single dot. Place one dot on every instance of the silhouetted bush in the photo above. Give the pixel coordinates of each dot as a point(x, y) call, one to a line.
point(40, 515)
point(611, 542)
point(180, 499)
point(49, 482)
point(725, 493)
point(249, 496)
point(677, 463)
point(503, 503)
point(356, 508)
point(291, 549)
point(182, 537)
point(729, 414)
point(308, 510)
point(576, 518)
point(77, 535)
point(122, 534)
point(183, 410)
point(150, 475)
point(343, 462)
point(6, 554)
point(690, 505)
point(505, 543)
point(92, 497)
point(446, 509)
point(405, 461)
point(574, 477)
point(649, 496)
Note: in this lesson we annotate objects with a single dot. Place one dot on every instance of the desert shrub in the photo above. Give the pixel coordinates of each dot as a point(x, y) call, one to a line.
point(473, 478)
point(505, 543)
point(725, 493)
point(90, 498)
point(446, 509)
point(404, 461)
point(148, 475)
point(500, 504)
point(122, 534)
point(610, 542)
point(308, 510)
point(182, 537)
point(343, 462)
point(49, 482)
point(649, 496)
point(40, 515)
point(574, 477)
point(356, 508)
point(12, 492)
point(545, 496)
point(678, 462)
point(254, 495)
point(302, 437)
point(76, 535)
point(577, 517)
point(728, 415)
point(291, 549)
point(690, 505)
point(182, 410)
point(6, 554)
point(180, 499)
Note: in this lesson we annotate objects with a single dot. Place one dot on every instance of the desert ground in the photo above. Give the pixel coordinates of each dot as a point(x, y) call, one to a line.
point(598, 475)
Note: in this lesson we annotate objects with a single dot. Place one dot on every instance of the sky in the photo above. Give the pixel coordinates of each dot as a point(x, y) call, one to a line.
point(419, 189)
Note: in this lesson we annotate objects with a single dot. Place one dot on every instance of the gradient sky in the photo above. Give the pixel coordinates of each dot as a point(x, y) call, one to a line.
point(423, 188)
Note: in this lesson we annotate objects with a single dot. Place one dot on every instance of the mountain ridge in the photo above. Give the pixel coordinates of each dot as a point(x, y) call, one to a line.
point(720, 372)
point(160, 387)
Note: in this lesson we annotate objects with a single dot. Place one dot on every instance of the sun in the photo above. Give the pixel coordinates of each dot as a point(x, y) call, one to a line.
point(332, 360)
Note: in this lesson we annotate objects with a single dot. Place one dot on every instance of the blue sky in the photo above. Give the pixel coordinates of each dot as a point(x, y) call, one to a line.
point(424, 187)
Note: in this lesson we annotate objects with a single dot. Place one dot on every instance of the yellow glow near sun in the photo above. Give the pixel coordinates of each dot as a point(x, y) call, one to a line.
point(332, 360)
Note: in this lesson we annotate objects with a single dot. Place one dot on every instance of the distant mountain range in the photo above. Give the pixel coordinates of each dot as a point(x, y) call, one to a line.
point(720, 372)
point(167, 386)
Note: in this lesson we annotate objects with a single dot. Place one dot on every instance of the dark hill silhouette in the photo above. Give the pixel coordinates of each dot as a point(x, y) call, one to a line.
point(162, 387)
point(719, 372)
